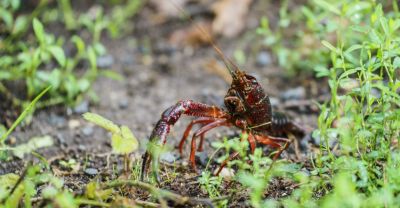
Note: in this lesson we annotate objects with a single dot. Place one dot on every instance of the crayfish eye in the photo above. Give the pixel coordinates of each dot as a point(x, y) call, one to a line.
point(234, 104)
point(231, 105)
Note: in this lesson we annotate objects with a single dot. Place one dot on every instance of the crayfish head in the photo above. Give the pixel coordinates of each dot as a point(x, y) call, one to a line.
point(242, 86)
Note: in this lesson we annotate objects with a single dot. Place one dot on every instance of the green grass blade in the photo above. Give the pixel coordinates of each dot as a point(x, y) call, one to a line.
point(23, 115)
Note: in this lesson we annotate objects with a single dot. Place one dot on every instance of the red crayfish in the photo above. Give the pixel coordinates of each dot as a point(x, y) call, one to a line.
point(247, 107)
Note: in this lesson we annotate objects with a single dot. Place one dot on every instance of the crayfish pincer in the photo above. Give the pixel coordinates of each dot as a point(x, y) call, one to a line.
point(247, 108)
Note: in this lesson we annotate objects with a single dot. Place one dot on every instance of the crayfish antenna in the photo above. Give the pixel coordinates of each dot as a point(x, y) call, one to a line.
point(232, 68)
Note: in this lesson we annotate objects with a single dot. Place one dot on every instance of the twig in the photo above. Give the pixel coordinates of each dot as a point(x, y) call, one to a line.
point(179, 199)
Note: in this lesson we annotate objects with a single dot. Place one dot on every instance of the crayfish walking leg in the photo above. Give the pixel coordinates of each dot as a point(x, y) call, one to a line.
point(168, 118)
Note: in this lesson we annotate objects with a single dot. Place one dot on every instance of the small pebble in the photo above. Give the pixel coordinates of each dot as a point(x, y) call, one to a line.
point(12, 140)
point(56, 120)
point(226, 173)
point(263, 59)
point(297, 93)
point(304, 143)
point(128, 60)
point(123, 104)
point(91, 171)
point(168, 157)
point(274, 101)
point(202, 157)
point(60, 138)
point(83, 107)
point(105, 61)
point(87, 130)
point(81, 147)
point(72, 124)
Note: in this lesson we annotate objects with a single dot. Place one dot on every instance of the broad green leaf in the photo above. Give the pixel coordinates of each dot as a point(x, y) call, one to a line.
point(329, 46)
point(7, 181)
point(83, 84)
point(33, 144)
point(384, 25)
point(39, 31)
point(328, 6)
point(58, 54)
point(111, 74)
point(79, 44)
point(6, 16)
point(102, 122)
point(92, 57)
point(127, 134)
point(348, 72)
point(99, 49)
point(125, 142)
point(396, 63)
point(65, 200)
point(21, 24)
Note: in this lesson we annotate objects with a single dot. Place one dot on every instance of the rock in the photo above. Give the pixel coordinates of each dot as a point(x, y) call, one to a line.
point(297, 93)
point(91, 171)
point(226, 173)
point(168, 157)
point(105, 61)
point(72, 124)
point(87, 130)
point(128, 60)
point(263, 59)
point(274, 101)
point(304, 142)
point(81, 147)
point(202, 157)
point(83, 107)
point(123, 104)
point(56, 120)
point(60, 138)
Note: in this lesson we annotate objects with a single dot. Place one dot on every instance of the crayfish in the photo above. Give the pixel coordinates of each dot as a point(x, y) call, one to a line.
point(247, 107)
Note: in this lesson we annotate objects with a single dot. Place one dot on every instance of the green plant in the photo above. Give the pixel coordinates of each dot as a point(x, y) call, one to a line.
point(122, 139)
point(359, 55)
point(42, 61)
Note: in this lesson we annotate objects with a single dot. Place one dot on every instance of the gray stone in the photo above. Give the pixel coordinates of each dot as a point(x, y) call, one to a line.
point(87, 130)
point(128, 60)
point(105, 61)
point(297, 93)
point(81, 147)
point(304, 142)
point(202, 157)
point(274, 101)
point(56, 120)
point(82, 107)
point(263, 59)
point(123, 103)
point(91, 171)
point(60, 138)
point(168, 157)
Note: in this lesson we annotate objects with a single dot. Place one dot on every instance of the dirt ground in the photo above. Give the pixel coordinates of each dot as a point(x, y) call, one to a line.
point(157, 75)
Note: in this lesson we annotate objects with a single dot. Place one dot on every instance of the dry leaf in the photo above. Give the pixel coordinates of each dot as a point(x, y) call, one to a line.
point(169, 8)
point(195, 35)
point(230, 17)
